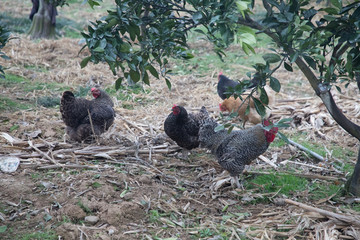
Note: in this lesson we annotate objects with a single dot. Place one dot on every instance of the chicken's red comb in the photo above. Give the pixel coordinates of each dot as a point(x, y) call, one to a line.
point(266, 123)
point(220, 73)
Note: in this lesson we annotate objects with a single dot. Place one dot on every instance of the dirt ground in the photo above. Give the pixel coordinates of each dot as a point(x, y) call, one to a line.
point(131, 184)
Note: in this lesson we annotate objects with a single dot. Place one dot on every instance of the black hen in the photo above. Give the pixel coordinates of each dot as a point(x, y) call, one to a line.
point(84, 118)
point(183, 127)
point(224, 84)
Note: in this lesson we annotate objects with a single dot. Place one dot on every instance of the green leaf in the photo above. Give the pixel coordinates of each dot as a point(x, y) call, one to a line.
point(153, 71)
point(242, 5)
point(197, 17)
point(310, 61)
point(284, 120)
point(168, 83)
point(99, 50)
point(14, 127)
point(118, 83)
point(336, 3)
point(264, 97)
point(260, 108)
point(85, 61)
point(248, 38)
point(331, 11)
point(134, 75)
point(271, 57)
point(145, 78)
point(3, 228)
point(275, 84)
point(219, 128)
point(283, 137)
point(288, 67)
point(247, 48)
point(294, 57)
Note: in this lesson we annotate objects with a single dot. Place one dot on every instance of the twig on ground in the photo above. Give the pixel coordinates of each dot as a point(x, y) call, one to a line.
point(301, 147)
point(42, 153)
point(351, 220)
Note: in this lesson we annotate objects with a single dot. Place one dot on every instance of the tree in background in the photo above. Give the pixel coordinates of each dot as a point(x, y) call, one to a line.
point(43, 16)
point(324, 42)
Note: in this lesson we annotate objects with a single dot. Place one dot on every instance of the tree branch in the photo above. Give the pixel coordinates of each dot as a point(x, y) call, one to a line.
point(336, 113)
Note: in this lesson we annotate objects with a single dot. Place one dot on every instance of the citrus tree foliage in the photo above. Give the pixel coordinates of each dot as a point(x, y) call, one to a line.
point(138, 36)
point(4, 38)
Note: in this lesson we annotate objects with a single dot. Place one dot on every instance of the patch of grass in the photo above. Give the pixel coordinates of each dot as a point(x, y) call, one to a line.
point(36, 176)
point(154, 216)
point(284, 183)
point(9, 104)
point(36, 68)
point(48, 101)
point(321, 190)
point(278, 143)
point(26, 85)
point(85, 208)
point(69, 28)
point(15, 24)
point(206, 232)
point(49, 235)
point(96, 185)
point(337, 151)
point(355, 206)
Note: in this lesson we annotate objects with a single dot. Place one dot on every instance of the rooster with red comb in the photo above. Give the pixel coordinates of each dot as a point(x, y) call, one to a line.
point(236, 149)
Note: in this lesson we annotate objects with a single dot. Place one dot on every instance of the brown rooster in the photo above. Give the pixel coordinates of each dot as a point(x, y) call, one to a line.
point(236, 149)
point(183, 127)
point(84, 118)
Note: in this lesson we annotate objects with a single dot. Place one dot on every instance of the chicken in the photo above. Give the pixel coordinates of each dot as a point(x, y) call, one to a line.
point(84, 118)
point(183, 127)
point(236, 149)
point(236, 105)
point(225, 84)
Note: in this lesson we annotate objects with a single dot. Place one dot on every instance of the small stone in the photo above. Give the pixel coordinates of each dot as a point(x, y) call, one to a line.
point(91, 219)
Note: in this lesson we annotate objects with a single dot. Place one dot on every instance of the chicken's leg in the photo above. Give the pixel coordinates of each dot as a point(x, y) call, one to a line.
point(185, 154)
point(235, 181)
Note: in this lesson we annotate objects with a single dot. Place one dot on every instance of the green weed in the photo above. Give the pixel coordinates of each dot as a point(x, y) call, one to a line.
point(282, 183)
point(84, 207)
point(96, 185)
point(319, 190)
point(50, 235)
point(9, 104)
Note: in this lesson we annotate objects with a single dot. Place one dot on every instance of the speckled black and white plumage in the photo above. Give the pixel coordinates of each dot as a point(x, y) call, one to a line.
point(80, 125)
point(236, 149)
point(183, 127)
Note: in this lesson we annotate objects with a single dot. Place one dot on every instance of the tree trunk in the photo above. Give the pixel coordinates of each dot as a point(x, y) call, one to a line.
point(43, 24)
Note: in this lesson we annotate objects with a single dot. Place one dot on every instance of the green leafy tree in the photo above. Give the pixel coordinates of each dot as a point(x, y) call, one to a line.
point(324, 42)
